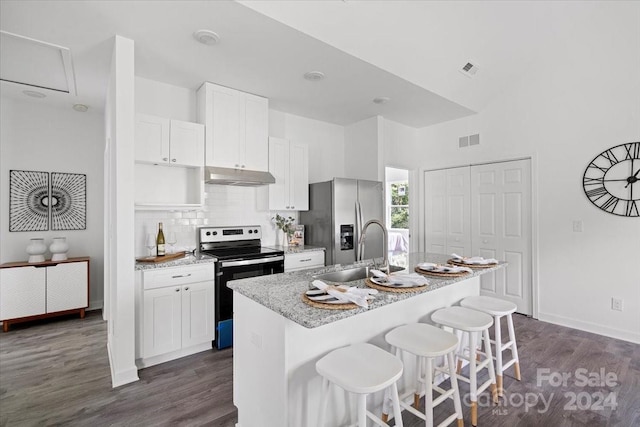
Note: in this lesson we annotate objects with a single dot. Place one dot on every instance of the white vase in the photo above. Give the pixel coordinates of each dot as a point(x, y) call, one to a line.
point(285, 239)
point(36, 250)
point(59, 249)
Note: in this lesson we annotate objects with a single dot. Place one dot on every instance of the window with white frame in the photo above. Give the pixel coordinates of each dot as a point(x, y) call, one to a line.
point(398, 205)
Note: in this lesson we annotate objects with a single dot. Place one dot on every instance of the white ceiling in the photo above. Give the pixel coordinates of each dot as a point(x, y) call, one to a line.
point(408, 51)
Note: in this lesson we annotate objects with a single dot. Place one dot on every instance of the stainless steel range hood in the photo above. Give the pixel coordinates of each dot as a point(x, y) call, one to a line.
point(243, 177)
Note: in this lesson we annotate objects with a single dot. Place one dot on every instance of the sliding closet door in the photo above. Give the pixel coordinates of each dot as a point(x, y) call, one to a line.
point(447, 211)
point(501, 228)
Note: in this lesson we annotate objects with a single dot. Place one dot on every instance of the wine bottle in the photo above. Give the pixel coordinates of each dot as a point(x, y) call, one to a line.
point(160, 241)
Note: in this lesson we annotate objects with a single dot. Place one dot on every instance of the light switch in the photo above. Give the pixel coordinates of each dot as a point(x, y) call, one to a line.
point(577, 226)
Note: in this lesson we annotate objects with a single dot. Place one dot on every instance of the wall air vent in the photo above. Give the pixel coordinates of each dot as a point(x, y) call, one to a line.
point(470, 69)
point(469, 140)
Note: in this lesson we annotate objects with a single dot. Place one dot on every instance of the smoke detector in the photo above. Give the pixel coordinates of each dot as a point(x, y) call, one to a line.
point(206, 37)
point(81, 108)
point(470, 69)
point(314, 76)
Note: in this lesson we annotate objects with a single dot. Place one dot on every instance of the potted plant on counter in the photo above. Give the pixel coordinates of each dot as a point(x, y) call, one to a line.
point(286, 226)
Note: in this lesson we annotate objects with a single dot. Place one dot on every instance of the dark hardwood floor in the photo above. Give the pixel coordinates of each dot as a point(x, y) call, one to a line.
point(56, 372)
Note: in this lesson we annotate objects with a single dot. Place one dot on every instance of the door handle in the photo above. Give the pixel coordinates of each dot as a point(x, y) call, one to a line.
point(485, 241)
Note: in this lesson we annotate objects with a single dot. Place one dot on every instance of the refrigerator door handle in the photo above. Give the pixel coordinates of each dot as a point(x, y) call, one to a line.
point(359, 229)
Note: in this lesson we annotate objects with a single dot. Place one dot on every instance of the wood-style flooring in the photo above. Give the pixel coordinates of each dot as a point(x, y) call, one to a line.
point(56, 372)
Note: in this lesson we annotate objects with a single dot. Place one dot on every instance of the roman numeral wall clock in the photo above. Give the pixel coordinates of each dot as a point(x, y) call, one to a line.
point(612, 180)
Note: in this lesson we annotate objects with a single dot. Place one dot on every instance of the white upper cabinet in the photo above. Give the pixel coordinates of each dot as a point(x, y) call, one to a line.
point(237, 126)
point(164, 141)
point(289, 164)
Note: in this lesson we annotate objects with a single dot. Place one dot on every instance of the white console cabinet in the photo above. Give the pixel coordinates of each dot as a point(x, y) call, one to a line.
point(46, 289)
point(175, 312)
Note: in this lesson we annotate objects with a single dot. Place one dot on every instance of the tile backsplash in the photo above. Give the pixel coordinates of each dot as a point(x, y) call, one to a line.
point(225, 205)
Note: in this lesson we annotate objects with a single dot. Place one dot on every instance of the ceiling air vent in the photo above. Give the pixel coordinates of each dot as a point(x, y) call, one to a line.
point(470, 69)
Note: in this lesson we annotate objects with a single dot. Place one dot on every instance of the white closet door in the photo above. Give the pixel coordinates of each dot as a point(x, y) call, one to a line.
point(458, 211)
point(501, 228)
point(435, 211)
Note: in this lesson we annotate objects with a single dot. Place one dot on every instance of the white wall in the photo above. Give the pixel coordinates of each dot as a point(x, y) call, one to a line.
point(231, 205)
point(363, 150)
point(583, 100)
point(119, 218)
point(39, 137)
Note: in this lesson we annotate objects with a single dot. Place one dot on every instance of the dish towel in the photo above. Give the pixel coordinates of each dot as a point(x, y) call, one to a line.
point(348, 294)
point(437, 268)
point(412, 279)
point(474, 260)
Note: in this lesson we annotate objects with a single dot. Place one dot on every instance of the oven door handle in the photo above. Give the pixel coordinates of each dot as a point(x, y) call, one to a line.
point(251, 261)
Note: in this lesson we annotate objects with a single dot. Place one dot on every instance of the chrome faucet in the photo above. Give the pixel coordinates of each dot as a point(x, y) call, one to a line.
point(385, 244)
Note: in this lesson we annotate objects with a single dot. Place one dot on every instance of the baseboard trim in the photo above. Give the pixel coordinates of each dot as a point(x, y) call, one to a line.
point(124, 377)
point(595, 328)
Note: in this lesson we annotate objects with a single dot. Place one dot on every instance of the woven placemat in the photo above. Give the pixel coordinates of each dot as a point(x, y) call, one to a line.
point(373, 285)
point(462, 264)
point(318, 304)
point(436, 274)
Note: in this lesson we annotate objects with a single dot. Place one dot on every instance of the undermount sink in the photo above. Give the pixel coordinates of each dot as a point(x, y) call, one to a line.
point(350, 274)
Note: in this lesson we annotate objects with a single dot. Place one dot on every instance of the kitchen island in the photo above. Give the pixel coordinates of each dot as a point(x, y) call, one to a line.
point(278, 339)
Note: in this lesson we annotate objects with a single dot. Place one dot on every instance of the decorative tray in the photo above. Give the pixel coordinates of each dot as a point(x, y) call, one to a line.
point(378, 284)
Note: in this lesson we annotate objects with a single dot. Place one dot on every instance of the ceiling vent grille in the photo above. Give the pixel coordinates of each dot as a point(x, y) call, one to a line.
point(470, 69)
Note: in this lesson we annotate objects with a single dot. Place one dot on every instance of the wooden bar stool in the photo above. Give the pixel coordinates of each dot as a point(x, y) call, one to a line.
point(472, 322)
point(499, 308)
point(427, 342)
point(361, 369)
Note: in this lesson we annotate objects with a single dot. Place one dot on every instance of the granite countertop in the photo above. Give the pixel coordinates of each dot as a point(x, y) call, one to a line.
point(298, 249)
point(282, 293)
point(198, 258)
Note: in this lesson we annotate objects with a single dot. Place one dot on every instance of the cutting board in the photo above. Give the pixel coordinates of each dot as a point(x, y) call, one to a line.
point(167, 257)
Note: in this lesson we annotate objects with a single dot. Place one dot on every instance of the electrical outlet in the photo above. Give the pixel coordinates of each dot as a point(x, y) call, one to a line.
point(616, 304)
point(577, 226)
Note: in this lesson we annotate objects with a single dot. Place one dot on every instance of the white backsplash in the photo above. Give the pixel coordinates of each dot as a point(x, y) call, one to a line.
point(225, 205)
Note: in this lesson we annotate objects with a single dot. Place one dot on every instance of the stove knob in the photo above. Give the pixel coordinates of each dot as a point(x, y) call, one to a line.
point(208, 233)
point(250, 231)
point(215, 233)
point(255, 231)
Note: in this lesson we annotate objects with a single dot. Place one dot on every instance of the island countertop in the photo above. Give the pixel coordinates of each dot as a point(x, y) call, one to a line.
point(282, 293)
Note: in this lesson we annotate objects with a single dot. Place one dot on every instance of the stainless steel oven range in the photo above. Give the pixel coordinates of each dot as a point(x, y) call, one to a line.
point(240, 255)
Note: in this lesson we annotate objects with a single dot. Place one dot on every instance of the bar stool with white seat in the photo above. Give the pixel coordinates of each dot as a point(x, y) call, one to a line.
point(427, 342)
point(498, 308)
point(472, 322)
point(361, 369)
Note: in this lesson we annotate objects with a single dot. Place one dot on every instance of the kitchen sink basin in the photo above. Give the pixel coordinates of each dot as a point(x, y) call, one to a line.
point(350, 274)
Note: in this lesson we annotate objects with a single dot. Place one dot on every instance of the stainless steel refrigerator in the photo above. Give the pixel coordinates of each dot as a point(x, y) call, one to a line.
point(337, 211)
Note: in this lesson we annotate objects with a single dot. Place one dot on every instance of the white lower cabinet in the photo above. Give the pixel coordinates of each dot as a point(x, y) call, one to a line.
point(175, 312)
point(303, 260)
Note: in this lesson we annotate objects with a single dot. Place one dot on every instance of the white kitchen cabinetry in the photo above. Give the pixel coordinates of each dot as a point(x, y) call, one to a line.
point(175, 312)
point(289, 164)
point(302, 260)
point(29, 291)
point(169, 158)
point(237, 125)
point(165, 141)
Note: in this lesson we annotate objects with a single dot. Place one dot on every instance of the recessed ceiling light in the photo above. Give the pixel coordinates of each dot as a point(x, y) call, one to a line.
point(80, 108)
point(314, 76)
point(34, 94)
point(206, 37)
point(381, 100)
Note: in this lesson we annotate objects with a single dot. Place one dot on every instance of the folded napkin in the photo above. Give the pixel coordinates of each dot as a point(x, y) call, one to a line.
point(437, 268)
point(474, 260)
point(408, 280)
point(346, 294)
